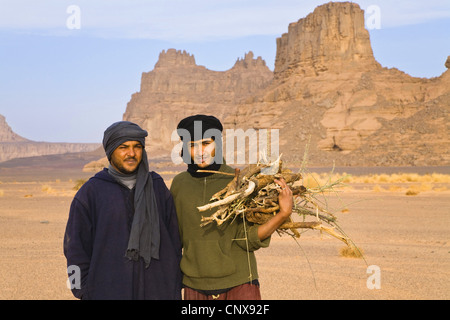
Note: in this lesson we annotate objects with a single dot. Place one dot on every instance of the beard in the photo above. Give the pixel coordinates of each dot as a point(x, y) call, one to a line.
point(122, 169)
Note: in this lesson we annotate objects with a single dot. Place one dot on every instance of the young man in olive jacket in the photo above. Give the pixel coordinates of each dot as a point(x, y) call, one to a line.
point(218, 262)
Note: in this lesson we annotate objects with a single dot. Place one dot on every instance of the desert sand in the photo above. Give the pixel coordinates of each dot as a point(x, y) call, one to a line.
point(406, 237)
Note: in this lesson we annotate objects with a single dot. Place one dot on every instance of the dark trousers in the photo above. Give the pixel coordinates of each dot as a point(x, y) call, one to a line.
point(242, 292)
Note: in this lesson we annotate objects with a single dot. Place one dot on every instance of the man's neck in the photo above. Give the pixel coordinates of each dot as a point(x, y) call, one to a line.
point(193, 168)
point(126, 179)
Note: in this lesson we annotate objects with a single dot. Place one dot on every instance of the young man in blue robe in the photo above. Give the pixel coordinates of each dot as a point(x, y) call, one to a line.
point(122, 239)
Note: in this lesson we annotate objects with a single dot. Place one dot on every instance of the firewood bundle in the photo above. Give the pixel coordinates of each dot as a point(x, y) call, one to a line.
point(253, 195)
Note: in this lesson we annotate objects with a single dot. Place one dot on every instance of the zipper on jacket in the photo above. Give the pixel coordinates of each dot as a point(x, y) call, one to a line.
point(204, 190)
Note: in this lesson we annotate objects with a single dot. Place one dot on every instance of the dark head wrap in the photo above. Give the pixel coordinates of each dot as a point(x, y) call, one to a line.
point(198, 127)
point(144, 235)
point(205, 124)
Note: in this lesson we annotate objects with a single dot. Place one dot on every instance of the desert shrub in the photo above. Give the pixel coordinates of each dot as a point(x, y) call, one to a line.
point(378, 188)
point(78, 184)
point(47, 189)
point(351, 252)
point(412, 192)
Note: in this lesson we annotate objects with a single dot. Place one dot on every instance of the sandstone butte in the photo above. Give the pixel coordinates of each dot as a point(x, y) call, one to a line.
point(327, 92)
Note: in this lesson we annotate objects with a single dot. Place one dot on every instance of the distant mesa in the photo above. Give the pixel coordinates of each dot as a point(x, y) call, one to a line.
point(14, 146)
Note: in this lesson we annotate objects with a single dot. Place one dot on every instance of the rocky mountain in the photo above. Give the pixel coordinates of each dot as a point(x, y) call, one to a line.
point(327, 92)
point(328, 86)
point(178, 87)
point(13, 146)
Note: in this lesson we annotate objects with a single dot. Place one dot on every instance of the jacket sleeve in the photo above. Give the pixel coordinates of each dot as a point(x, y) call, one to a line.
point(78, 247)
point(251, 234)
point(169, 214)
point(172, 225)
point(171, 222)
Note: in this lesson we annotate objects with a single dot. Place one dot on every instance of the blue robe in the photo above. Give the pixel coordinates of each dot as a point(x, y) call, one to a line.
point(96, 240)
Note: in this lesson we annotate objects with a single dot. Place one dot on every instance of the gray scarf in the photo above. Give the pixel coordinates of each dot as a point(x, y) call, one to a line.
point(128, 180)
point(144, 238)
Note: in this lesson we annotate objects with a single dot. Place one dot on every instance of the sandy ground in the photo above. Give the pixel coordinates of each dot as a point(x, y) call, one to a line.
point(406, 237)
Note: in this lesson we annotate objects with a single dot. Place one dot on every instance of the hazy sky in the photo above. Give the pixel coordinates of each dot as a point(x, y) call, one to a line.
point(69, 68)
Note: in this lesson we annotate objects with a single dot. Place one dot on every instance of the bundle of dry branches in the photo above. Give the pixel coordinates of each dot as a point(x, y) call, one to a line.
point(253, 195)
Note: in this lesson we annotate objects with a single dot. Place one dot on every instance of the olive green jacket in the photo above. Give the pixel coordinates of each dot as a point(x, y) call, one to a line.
point(214, 257)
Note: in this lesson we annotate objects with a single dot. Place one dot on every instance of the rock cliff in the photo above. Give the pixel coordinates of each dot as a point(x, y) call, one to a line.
point(13, 146)
point(328, 86)
point(332, 39)
point(177, 87)
point(7, 134)
point(327, 90)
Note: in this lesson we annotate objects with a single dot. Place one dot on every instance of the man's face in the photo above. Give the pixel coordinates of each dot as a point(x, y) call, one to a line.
point(202, 152)
point(127, 157)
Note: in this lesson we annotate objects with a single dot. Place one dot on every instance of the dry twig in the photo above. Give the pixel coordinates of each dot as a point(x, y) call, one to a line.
point(253, 195)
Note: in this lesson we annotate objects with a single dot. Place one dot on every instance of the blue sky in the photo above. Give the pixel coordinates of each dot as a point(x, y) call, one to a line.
point(67, 85)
